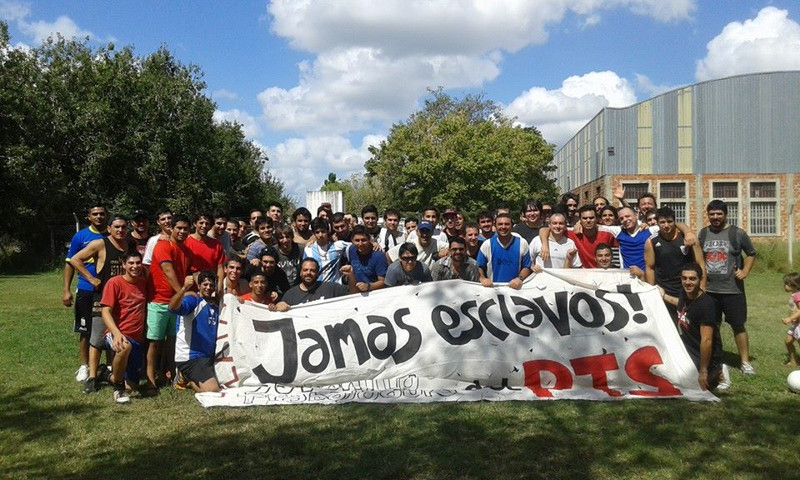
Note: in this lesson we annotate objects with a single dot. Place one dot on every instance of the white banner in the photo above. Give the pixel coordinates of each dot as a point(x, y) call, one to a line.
point(567, 334)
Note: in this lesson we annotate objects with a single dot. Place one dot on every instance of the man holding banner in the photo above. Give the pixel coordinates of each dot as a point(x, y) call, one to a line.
point(309, 289)
point(504, 257)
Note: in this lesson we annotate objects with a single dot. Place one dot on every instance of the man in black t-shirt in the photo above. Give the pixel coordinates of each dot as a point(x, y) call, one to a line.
point(699, 328)
point(309, 288)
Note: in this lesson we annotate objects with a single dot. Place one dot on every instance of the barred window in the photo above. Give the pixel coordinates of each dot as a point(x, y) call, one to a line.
point(679, 208)
point(635, 190)
point(733, 213)
point(725, 190)
point(762, 190)
point(763, 218)
point(673, 190)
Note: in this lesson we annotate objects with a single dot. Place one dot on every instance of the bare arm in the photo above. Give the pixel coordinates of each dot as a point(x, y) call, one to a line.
point(706, 334)
point(649, 263)
point(172, 277)
point(743, 272)
point(78, 261)
point(700, 260)
point(119, 340)
point(175, 301)
point(66, 294)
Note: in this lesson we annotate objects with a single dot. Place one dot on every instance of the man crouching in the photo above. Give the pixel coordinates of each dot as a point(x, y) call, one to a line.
point(196, 340)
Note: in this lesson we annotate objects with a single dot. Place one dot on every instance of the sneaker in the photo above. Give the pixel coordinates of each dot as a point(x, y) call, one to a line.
point(725, 383)
point(89, 385)
point(748, 369)
point(82, 373)
point(120, 396)
point(104, 374)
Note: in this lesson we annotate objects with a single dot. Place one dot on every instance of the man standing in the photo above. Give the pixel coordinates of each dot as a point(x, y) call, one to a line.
point(252, 235)
point(666, 254)
point(172, 262)
point(562, 249)
point(301, 222)
point(275, 213)
point(84, 298)
point(341, 227)
point(164, 221)
point(265, 240)
point(407, 270)
point(430, 214)
point(218, 231)
point(723, 245)
point(699, 324)
point(367, 268)
point(141, 230)
point(327, 254)
point(196, 341)
point(486, 224)
point(456, 264)
point(369, 215)
point(430, 249)
point(106, 254)
point(504, 257)
point(309, 289)
point(531, 222)
point(207, 252)
point(450, 220)
point(390, 235)
point(124, 308)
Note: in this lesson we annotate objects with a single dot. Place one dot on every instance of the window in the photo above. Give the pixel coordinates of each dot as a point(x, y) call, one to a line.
point(728, 192)
point(763, 208)
point(673, 195)
point(635, 190)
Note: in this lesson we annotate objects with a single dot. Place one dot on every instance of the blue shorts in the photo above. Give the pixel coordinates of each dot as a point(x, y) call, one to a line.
point(133, 371)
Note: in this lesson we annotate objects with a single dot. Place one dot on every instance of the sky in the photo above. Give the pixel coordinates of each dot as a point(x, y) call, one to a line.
point(315, 83)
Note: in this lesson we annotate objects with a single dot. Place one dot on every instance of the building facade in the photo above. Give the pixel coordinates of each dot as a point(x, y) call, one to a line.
point(736, 139)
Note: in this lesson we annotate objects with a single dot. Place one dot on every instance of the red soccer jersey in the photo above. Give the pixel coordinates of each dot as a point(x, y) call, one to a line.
point(128, 302)
point(586, 246)
point(207, 253)
point(181, 259)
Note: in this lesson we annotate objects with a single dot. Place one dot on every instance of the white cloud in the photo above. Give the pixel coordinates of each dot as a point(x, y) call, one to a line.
point(650, 89)
point(559, 113)
point(14, 11)
point(225, 94)
point(304, 163)
point(371, 65)
point(249, 124)
point(769, 42)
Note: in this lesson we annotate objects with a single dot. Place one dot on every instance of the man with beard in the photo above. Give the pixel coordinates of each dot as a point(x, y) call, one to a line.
point(456, 264)
point(309, 289)
point(301, 222)
point(141, 231)
point(723, 245)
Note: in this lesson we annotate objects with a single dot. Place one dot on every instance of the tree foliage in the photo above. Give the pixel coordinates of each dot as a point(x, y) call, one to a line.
point(359, 190)
point(81, 124)
point(464, 153)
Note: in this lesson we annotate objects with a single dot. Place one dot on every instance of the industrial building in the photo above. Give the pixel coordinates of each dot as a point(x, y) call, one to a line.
point(736, 139)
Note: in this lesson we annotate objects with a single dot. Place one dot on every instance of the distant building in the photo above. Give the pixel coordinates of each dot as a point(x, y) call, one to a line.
point(736, 139)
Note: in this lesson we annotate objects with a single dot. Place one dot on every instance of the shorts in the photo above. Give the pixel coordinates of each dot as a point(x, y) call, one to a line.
point(160, 321)
point(84, 301)
point(197, 370)
point(133, 371)
point(794, 331)
point(733, 305)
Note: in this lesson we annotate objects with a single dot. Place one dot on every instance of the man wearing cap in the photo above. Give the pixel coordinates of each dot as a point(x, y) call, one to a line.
point(429, 248)
point(504, 257)
point(140, 232)
point(430, 214)
point(450, 224)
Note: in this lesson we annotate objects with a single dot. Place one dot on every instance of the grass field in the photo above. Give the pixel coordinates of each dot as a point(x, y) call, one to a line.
point(49, 429)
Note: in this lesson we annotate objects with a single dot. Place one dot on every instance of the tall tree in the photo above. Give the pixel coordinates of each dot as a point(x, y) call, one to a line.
point(81, 124)
point(465, 153)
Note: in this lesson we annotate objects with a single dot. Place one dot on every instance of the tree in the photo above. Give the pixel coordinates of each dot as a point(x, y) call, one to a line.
point(359, 190)
point(463, 153)
point(81, 124)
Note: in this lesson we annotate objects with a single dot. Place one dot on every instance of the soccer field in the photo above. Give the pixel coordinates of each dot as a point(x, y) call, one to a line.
point(49, 429)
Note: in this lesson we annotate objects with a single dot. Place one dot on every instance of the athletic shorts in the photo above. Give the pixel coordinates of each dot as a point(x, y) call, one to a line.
point(733, 305)
point(84, 302)
point(160, 322)
point(197, 370)
point(133, 371)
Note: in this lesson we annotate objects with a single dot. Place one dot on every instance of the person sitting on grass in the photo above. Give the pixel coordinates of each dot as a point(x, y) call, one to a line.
point(195, 344)
point(124, 310)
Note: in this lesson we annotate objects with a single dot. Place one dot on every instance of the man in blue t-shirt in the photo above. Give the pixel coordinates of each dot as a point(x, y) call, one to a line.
point(84, 300)
point(504, 257)
point(196, 340)
point(367, 268)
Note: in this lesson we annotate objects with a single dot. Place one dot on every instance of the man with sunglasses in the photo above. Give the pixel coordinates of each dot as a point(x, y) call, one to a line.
point(407, 270)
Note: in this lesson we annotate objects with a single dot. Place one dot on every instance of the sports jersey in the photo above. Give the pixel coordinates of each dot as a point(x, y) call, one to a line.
point(79, 241)
point(196, 327)
point(503, 264)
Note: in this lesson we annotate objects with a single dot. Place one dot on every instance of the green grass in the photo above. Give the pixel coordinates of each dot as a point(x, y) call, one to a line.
point(49, 429)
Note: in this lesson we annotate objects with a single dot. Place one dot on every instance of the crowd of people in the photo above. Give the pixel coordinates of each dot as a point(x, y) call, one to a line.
point(151, 301)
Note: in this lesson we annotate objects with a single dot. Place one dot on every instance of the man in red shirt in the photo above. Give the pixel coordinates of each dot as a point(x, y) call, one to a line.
point(172, 262)
point(124, 306)
point(207, 252)
point(590, 237)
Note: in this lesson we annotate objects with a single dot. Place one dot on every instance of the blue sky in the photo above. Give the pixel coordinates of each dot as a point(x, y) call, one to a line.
point(315, 83)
